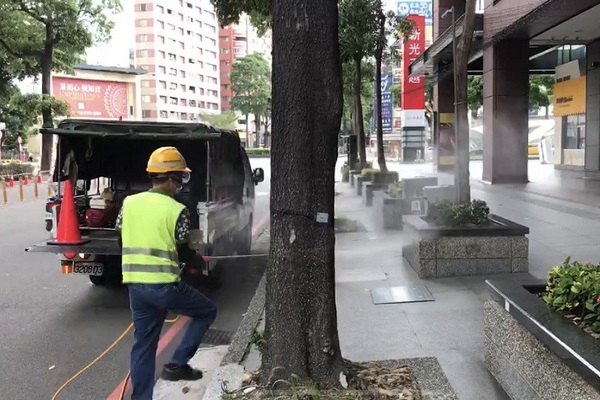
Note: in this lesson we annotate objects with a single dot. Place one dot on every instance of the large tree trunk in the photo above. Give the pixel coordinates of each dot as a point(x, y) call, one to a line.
point(378, 57)
point(462, 176)
point(46, 64)
point(301, 318)
point(358, 110)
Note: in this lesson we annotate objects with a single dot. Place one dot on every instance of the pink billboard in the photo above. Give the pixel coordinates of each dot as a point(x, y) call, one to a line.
point(92, 98)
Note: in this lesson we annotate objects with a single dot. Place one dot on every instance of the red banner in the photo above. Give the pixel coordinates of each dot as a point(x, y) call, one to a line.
point(413, 87)
point(91, 98)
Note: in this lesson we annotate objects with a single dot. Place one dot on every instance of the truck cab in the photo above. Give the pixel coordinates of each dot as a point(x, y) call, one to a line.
point(107, 160)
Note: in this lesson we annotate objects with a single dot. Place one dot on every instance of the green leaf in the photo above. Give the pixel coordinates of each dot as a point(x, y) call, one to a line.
point(251, 85)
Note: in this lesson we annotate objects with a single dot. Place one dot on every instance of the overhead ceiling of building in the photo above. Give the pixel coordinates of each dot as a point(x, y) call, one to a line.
point(580, 29)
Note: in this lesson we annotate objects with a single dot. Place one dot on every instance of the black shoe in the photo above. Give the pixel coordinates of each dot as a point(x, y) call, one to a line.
point(180, 373)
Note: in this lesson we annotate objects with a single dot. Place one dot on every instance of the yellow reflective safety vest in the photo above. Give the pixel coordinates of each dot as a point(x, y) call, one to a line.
point(148, 237)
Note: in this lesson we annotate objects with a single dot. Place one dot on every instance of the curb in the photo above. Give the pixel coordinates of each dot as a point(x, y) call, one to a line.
point(230, 373)
point(239, 344)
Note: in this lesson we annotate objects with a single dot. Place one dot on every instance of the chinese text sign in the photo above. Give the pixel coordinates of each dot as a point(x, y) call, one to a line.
point(413, 87)
point(91, 98)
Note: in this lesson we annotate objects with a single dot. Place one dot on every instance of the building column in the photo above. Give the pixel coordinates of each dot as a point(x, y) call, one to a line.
point(443, 90)
point(506, 112)
point(592, 109)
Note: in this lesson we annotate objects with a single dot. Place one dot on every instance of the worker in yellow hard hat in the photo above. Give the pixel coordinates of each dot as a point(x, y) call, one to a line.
point(154, 234)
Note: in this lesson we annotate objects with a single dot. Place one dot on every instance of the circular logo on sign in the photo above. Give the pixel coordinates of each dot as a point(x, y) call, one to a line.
point(115, 101)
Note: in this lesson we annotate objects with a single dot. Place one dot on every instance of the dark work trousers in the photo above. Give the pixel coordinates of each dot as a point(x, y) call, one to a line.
point(149, 306)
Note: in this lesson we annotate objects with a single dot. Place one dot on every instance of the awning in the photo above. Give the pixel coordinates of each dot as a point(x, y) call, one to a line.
point(439, 54)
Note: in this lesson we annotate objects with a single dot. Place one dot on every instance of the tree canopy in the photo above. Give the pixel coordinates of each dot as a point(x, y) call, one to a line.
point(475, 93)
point(541, 89)
point(226, 120)
point(251, 85)
point(29, 29)
point(42, 36)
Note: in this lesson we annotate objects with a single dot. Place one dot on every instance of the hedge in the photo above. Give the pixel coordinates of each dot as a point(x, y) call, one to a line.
point(13, 168)
point(265, 151)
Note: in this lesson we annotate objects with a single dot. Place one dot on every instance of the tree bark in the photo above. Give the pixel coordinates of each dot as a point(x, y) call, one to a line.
point(257, 127)
point(360, 125)
point(46, 66)
point(378, 57)
point(301, 317)
point(248, 135)
point(462, 176)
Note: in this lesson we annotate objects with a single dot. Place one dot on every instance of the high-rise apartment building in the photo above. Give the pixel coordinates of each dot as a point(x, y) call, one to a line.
point(235, 41)
point(176, 41)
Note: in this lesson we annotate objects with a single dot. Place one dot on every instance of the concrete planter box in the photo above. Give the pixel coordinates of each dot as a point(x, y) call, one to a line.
point(534, 352)
point(413, 187)
point(358, 183)
point(353, 174)
point(436, 252)
point(394, 208)
point(368, 191)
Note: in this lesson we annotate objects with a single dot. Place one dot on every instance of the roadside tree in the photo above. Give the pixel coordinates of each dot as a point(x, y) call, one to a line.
point(358, 30)
point(52, 35)
point(251, 87)
point(388, 25)
point(301, 318)
point(465, 41)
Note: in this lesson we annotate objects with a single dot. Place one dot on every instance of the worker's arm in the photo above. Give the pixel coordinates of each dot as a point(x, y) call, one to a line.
point(119, 225)
point(182, 236)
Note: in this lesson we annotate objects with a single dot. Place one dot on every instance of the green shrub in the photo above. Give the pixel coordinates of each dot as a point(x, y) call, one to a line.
point(395, 190)
point(385, 177)
point(13, 168)
point(450, 214)
point(574, 288)
point(259, 151)
point(367, 173)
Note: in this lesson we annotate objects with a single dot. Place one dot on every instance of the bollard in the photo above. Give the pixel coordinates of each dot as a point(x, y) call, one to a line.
point(4, 194)
point(20, 189)
point(35, 188)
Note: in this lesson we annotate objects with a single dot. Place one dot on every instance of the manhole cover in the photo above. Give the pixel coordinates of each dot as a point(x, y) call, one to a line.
point(401, 294)
point(216, 337)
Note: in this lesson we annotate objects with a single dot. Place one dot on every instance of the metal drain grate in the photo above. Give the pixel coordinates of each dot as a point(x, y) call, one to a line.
point(217, 337)
point(401, 294)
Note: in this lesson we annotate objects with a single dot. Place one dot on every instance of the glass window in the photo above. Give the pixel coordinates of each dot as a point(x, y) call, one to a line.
point(574, 132)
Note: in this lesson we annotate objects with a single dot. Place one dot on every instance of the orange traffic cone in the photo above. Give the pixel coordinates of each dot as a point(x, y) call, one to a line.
point(39, 178)
point(68, 224)
point(26, 180)
point(11, 182)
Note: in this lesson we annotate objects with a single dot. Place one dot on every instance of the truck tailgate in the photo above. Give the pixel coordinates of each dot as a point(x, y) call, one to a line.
point(99, 243)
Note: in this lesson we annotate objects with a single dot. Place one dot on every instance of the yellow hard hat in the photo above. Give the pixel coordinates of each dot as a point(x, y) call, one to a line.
point(166, 159)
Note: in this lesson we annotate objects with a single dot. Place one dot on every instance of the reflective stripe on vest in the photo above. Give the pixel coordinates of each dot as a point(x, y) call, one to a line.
point(168, 255)
point(148, 235)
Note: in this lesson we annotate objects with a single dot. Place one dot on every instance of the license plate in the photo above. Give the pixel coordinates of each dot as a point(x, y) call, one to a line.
point(94, 269)
point(48, 215)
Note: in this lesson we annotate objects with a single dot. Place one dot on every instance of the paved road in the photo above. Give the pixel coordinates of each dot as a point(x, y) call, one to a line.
point(53, 325)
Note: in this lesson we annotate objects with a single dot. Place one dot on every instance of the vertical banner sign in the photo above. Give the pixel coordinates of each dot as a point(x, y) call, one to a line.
point(386, 103)
point(413, 87)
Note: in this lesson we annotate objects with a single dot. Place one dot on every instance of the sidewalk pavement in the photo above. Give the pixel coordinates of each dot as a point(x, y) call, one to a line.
point(451, 327)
